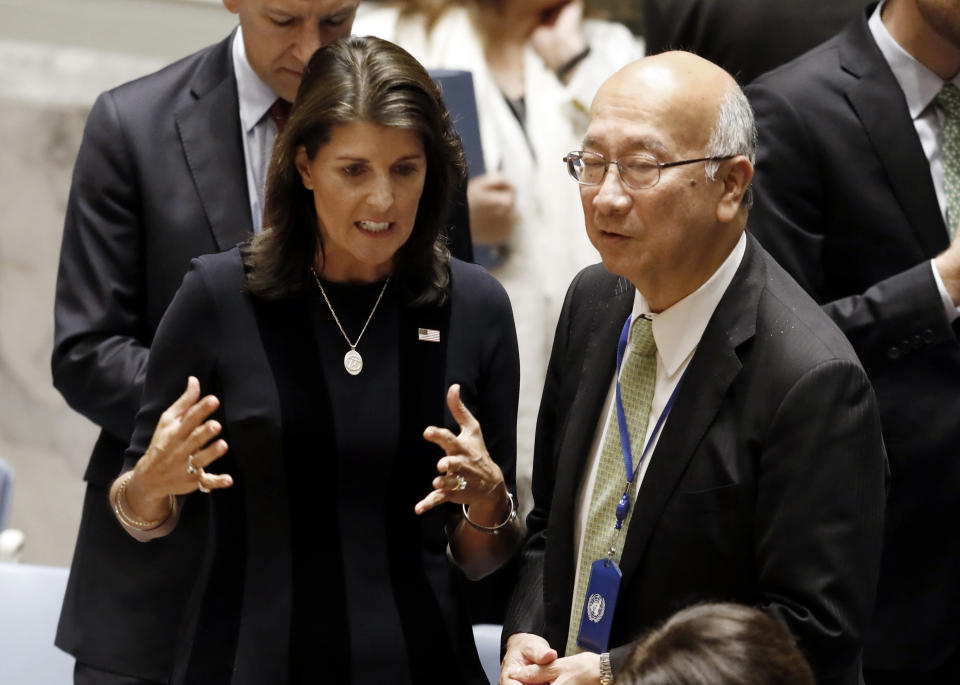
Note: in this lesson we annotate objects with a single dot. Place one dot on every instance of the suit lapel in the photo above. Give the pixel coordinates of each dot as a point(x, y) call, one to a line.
point(713, 368)
point(878, 100)
point(612, 305)
point(210, 134)
point(599, 365)
point(422, 393)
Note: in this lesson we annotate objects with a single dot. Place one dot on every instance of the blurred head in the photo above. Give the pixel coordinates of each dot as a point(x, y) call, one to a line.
point(487, 13)
point(370, 140)
point(717, 644)
point(281, 35)
point(669, 238)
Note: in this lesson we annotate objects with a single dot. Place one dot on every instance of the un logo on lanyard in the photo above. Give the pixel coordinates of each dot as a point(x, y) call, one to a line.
point(596, 605)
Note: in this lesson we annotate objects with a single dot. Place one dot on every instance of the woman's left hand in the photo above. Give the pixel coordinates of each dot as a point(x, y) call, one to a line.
point(467, 473)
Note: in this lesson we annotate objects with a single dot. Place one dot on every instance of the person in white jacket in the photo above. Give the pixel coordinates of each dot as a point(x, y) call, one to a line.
point(536, 66)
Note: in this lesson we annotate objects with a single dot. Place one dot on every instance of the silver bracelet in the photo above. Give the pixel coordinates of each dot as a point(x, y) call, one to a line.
point(494, 530)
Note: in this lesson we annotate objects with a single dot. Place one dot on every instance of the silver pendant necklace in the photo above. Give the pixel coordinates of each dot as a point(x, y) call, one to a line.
point(352, 361)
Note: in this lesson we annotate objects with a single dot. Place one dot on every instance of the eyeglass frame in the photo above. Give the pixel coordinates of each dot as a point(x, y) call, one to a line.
point(660, 166)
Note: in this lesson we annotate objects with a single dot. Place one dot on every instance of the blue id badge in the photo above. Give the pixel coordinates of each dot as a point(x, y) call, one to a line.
point(599, 605)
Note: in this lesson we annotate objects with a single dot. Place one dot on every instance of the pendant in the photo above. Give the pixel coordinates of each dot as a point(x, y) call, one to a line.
point(353, 362)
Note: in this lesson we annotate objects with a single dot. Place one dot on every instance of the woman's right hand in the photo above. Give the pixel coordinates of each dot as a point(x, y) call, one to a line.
point(166, 468)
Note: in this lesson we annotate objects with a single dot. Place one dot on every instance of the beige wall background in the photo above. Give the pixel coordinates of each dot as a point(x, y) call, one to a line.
point(55, 57)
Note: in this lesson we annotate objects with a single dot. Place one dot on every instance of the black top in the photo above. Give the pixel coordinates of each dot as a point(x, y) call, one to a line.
point(320, 564)
point(367, 431)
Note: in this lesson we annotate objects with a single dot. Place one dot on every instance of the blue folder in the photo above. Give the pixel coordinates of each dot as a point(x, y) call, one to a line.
point(458, 94)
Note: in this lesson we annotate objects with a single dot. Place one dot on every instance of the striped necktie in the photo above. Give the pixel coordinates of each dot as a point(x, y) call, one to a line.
point(280, 113)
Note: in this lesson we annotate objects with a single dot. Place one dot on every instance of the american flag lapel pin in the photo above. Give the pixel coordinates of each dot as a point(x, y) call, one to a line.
point(428, 335)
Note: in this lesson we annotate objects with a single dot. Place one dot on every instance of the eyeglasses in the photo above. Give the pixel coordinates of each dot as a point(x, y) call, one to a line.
point(636, 171)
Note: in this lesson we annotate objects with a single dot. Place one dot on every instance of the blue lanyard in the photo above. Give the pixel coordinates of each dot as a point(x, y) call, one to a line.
point(623, 507)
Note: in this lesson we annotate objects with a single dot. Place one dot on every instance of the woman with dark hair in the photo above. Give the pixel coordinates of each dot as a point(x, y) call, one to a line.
point(536, 65)
point(342, 347)
point(717, 644)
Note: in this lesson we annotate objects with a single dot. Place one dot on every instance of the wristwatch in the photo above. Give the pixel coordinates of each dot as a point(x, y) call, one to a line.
point(606, 672)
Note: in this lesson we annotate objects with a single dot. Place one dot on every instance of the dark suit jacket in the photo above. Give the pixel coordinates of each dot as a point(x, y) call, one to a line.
point(746, 37)
point(846, 203)
point(272, 601)
point(159, 179)
point(766, 486)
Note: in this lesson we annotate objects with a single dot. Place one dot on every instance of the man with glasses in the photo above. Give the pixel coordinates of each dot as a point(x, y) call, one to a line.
point(706, 432)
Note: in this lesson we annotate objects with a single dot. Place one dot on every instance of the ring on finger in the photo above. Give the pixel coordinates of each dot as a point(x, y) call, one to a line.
point(460, 483)
point(191, 467)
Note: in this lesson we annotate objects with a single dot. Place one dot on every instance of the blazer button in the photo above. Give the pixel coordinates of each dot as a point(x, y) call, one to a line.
point(928, 336)
point(894, 352)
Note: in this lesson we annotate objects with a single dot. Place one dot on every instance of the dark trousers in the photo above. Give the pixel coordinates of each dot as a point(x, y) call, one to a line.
point(84, 674)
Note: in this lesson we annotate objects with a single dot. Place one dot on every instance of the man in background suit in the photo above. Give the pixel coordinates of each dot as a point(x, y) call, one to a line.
point(852, 196)
point(765, 485)
point(171, 166)
point(746, 37)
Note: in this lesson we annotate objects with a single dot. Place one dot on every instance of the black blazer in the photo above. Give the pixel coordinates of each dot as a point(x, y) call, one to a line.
point(846, 203)
point(159, 179)
point(766, 486)
point(746, 37)
point(266, 610)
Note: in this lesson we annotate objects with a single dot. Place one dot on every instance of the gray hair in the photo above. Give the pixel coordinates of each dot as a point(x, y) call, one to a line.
point(735, 133)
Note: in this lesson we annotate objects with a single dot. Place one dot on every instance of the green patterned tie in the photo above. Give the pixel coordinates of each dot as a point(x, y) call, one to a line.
point(638, 377)
point(949, 99)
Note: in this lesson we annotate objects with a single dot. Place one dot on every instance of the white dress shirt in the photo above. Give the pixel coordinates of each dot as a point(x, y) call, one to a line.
point(259, 130)
point(677, 332)
point(920, 87)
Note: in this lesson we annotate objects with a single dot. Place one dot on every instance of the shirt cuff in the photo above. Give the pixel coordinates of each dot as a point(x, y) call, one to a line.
point(952, 311)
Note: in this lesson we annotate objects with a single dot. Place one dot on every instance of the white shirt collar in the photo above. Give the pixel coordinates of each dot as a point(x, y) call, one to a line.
point(678, 329)
point(919, 85)
point(255, 96)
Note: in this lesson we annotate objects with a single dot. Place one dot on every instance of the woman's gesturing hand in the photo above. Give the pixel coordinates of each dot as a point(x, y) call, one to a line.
point(467, 473)
point(179, 450)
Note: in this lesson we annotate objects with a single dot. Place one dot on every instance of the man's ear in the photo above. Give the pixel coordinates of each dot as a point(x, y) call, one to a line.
point(736, 175)
point(302, 163)
point(232, 5)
